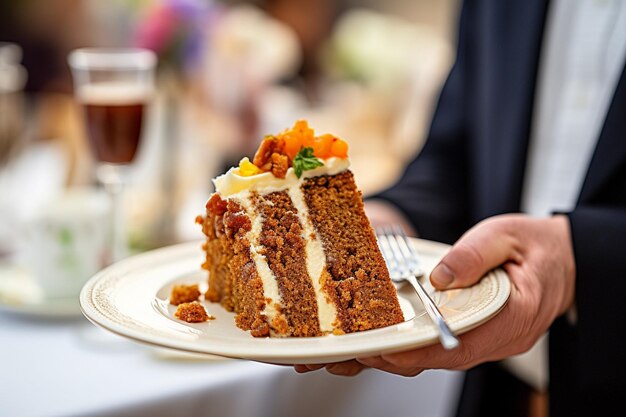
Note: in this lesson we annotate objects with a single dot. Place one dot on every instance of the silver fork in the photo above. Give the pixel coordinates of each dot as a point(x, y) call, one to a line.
point(403, 263)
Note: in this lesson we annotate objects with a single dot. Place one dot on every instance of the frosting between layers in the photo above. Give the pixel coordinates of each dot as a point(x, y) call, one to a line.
point(315, 262)
point(232, 182)
point(270, 286)
point(238, 187)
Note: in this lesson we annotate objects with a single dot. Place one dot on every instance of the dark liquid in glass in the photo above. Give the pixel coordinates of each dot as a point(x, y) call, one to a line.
point(114, 130)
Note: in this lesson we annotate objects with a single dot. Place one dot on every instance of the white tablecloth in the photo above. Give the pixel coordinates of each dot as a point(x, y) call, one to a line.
point(73, 368)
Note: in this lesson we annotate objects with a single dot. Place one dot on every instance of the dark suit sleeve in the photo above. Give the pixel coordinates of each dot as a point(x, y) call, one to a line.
point(599, 240)
point(432, 192)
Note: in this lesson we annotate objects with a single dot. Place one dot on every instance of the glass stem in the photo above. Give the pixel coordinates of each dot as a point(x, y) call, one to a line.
point(113, 179)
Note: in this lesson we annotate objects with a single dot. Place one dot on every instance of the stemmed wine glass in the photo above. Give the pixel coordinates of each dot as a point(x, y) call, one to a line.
point(113, 87)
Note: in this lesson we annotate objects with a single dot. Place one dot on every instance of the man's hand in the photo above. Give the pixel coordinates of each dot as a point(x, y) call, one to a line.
point(537, 255)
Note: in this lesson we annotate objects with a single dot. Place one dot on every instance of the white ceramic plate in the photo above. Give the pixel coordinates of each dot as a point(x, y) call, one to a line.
point(130, 298)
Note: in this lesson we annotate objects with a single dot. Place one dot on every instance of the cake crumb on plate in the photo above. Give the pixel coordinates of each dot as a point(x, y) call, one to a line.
point(184, 294)
point(193, 312)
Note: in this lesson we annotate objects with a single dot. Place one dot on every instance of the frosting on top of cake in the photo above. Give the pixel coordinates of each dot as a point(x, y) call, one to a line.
point(284, 159)
point(232, 182)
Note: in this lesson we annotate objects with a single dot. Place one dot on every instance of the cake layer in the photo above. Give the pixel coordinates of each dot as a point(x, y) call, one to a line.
point(247, 286)
point(358, 278)
point(269, 304)
point(283, 245)
point(219, 253)
point(234, 281)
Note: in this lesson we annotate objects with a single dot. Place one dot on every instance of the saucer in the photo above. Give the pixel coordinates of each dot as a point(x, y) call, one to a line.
point(21, 296)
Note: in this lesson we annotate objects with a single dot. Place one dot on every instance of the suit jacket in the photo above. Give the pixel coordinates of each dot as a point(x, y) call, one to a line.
point(472, 167)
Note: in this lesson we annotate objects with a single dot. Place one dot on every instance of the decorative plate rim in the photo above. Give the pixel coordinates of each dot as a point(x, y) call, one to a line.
point(98, 304)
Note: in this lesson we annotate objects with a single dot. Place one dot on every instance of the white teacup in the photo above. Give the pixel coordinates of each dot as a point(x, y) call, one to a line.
point(66, 241)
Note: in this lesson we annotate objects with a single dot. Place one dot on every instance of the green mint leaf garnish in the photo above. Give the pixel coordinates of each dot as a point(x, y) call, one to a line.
point(304, 161)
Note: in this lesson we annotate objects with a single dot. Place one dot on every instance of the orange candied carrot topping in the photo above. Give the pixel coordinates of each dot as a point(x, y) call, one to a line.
point(289, 143)
point(293, 144)
point(302, 136)
point(339, 148)
point(307, 135)
point(322, 146)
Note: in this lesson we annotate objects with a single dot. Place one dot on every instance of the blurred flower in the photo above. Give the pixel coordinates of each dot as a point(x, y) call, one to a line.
point(177, 31)
point(360, 48)
point(258, 46)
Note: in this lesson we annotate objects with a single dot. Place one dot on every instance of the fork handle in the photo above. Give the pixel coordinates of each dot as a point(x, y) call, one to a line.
point(447, 338)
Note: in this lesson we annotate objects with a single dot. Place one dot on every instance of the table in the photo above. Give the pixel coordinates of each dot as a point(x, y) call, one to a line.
point(73, 368)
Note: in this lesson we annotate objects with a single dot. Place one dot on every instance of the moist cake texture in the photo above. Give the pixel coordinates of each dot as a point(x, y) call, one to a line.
point(184, 294)
point(192, 312)
point(288, 246)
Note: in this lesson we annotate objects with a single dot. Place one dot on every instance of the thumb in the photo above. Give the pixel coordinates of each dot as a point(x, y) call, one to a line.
point(482, 248)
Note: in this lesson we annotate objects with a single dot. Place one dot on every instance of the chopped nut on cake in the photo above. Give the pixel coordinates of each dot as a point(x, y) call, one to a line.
point(184, 294)
point(193, 312)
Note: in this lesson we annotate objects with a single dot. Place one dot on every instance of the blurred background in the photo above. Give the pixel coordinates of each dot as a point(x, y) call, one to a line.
point(228, 73)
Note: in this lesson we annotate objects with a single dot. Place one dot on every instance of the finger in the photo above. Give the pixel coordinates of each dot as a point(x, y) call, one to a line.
point(482, 248)
point(379, 363)
point(372, 361)
point(348, 368)
point(300, 368)
point(496, 339)
point(433, 357)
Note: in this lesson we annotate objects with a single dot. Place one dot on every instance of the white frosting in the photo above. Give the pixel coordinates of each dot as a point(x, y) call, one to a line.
point(270, 287)
point(232, 182)
point(315, 261)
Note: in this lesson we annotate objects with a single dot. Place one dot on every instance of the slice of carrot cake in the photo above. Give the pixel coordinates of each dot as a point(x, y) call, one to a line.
point(289, 247)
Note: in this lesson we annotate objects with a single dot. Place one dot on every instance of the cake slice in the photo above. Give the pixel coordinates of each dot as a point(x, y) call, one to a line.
point(289, 247)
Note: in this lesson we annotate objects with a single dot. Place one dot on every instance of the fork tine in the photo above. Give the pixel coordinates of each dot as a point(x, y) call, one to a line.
point(395, 249)
point(410, 254)
point(400, 260)
point(403, 263)
point(407, 243)
point(383, 243)
point(400, 238)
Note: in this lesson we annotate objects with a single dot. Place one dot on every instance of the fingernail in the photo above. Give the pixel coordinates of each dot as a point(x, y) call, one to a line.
point(442, 276)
